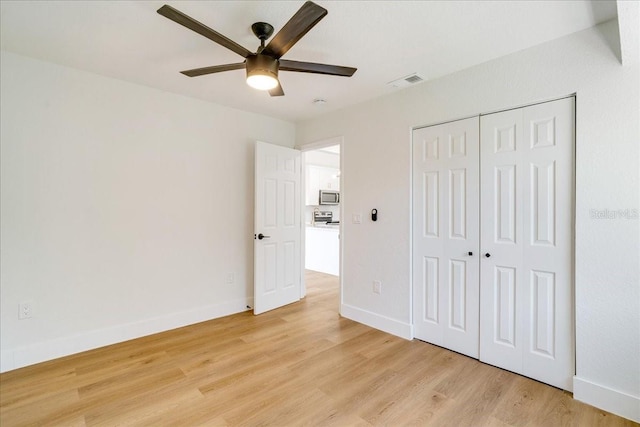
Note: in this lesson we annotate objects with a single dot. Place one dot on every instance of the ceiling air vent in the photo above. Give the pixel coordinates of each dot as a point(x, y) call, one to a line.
point(409, 80)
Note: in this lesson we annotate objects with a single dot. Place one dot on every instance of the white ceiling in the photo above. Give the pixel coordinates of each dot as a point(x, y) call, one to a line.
point(385, 40)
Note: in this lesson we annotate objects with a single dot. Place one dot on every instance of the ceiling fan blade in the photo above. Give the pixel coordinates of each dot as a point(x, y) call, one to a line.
point(311, 67)
point(213, 69)
point(299, 24)
point(184, 20)
point(277, 91)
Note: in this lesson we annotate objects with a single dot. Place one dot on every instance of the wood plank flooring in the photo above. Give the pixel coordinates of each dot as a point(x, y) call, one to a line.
point(298, 365)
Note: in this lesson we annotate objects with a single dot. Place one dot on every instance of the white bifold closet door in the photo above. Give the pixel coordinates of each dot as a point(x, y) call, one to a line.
point(445, 235)
point(526, 285)
point(493, 203)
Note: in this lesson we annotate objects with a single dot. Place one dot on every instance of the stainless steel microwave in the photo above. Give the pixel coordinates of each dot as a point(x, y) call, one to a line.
point(329, 197)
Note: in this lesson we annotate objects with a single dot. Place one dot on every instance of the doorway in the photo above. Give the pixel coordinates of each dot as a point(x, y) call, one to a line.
point(322, 207)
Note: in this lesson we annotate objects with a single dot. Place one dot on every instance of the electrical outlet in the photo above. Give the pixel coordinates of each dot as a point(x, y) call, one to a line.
point(356, 218)
point(377, 287)
point(25, 310)
point(230, 279)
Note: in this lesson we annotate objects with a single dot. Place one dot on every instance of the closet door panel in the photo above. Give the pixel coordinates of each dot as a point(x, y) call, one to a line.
point(501, 242)
point(526, 320)
point(548, 224)
point(445, 230)
point(428, 235)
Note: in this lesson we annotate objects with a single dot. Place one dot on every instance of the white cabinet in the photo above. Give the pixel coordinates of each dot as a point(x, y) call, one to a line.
point(322, 250)
point(320, 178)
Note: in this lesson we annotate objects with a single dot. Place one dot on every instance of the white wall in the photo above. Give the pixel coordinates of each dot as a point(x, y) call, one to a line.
point(123, 209)
point(376, 156)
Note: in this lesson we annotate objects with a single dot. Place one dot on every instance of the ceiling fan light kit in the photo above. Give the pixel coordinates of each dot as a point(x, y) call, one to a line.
point(262, 66)
point(260, 81)
point(262, 72)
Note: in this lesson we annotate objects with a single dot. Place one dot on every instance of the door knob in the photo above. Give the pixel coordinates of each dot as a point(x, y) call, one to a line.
point(470, 253)
point(262, 236)
point(487, 254)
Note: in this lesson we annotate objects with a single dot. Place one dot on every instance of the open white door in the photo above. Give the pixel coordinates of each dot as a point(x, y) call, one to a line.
point(278, 233)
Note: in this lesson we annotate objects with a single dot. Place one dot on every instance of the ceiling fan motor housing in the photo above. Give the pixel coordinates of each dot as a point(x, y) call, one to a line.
point(262, 65)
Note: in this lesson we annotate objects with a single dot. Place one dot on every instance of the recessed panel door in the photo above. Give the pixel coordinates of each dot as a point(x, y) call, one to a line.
point(501, 298)
point(278, 233)
point(445, 235)
point(526, 241)
point(548, 242)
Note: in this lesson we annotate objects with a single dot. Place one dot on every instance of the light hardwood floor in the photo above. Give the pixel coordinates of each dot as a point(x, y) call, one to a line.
point(298, 365)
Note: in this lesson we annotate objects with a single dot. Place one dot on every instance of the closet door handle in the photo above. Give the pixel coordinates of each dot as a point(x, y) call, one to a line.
point(470, 253)
point(487, 254)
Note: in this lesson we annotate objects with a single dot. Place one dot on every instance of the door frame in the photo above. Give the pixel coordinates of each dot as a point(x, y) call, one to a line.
point(317, 145)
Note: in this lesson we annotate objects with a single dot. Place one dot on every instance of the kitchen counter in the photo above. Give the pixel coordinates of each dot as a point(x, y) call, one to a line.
point(325, 226)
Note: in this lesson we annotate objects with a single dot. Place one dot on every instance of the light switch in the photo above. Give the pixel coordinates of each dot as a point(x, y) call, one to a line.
point(357, 218)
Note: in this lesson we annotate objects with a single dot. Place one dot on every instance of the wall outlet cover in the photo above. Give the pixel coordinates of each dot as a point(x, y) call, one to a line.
point(25, 310)
point(377, 287)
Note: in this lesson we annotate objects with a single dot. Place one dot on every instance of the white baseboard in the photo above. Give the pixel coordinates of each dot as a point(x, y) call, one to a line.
point(386, 324)
point(610, 400)
point(19, 357)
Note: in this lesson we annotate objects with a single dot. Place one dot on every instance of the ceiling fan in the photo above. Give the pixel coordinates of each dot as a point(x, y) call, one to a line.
point(262, 66)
